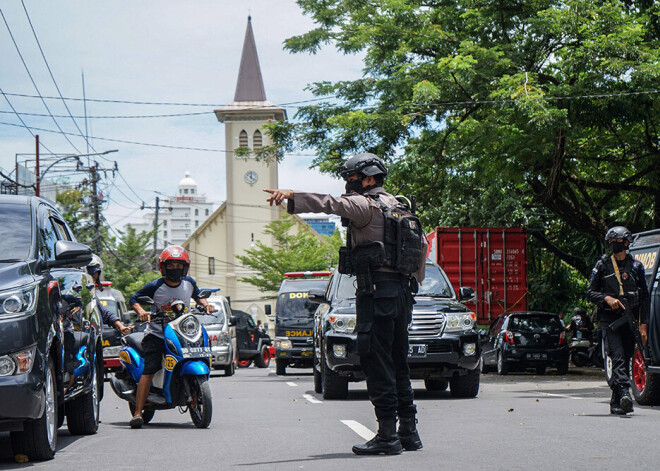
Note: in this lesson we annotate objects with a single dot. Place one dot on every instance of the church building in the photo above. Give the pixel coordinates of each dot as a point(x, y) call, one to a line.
point(240, 221)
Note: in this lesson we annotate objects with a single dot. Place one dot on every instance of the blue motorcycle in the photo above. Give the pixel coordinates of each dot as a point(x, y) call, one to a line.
point(183, 380)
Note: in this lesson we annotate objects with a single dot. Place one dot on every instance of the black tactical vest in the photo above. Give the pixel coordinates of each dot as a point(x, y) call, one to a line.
point(628, 277)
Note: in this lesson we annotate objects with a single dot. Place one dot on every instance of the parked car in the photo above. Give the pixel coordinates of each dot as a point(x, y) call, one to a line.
point(444, 348)
point(294, 319)
point(523, 340)
point(51, 359)
point(252, 343)
point(222, 335)
point(113, 300)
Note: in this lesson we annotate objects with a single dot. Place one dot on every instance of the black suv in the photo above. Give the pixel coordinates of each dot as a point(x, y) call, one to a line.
point(51, 361)
point(444, 348)
point(251, 342)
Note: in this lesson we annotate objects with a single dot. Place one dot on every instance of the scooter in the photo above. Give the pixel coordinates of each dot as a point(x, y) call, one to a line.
point(585, 351)
point(183, 380)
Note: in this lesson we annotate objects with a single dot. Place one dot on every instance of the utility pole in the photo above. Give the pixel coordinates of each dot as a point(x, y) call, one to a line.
point(156, 209)
point(36, 137)
point(95, 203)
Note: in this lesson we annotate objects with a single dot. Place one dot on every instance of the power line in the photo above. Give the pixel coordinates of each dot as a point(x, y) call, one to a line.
point(172, 115)
point(53, 77)
point(27, 69)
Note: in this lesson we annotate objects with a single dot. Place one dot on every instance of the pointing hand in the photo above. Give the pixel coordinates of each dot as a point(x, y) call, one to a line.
point(278, 196)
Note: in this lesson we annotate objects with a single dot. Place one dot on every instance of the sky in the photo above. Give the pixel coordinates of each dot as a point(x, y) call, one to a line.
point(158, 51)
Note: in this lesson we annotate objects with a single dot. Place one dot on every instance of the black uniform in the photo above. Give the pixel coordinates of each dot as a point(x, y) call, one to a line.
point(382, 316)
point(604, 282)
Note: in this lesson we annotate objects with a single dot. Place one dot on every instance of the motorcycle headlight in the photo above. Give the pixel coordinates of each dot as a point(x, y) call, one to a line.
point(19, 302)
point(342, 323)
point(190, 326)
point(459, 321)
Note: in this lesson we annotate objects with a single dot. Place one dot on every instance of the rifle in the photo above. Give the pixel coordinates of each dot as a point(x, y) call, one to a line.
point(630, 301)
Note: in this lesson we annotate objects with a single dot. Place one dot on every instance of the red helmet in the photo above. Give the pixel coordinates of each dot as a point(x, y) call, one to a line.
point(174, 253)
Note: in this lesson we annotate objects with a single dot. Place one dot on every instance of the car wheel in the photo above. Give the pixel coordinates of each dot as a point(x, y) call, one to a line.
point(467, 385)
point(201, 408)
point(147, 414)
point(645, 385)
point(318, 381)
point(263, 359)
point(436, 385)
point(38, 440)
point(334, 386)
point(244, 363)
point(502, 367)
point(82, 413)
point(280, 367)
point(230, 369)
point(484, 368)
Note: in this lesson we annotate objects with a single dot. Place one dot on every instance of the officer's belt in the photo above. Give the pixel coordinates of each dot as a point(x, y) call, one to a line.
point(388, 276)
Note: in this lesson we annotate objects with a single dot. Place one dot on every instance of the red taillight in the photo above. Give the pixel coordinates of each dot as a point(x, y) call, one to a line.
point(107, 284)
point(562, 338)
point(508, 336)
point(252, 338)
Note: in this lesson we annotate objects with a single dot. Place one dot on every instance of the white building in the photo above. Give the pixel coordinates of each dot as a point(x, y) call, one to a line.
point(178, 215)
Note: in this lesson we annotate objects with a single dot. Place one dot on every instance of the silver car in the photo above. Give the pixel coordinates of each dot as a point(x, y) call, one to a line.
point(222, 335)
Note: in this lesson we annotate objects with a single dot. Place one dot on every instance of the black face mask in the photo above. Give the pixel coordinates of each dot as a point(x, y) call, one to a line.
point(355, 186)
point(618, 246)
point(174, 274)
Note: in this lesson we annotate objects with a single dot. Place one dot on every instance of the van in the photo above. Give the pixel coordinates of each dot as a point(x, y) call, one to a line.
point(222, 335)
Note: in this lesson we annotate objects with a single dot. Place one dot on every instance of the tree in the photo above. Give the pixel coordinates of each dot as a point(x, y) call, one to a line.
point(542, 113)
point(129, 264)
point(304, 251)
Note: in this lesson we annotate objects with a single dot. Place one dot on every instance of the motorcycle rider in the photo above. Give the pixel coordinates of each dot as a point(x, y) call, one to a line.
point(384, 307)
point(95, 270)
point(173, 264)
point(580, 322)
point(618, 283)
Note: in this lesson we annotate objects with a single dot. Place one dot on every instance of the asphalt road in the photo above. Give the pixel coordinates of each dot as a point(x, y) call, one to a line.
point(266, 422)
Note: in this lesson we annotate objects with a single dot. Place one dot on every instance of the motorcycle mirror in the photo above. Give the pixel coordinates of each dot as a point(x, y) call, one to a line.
point(204, 293)
point(145, 300)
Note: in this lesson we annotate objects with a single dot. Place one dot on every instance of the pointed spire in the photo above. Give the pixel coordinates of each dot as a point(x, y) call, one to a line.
point(250, 85)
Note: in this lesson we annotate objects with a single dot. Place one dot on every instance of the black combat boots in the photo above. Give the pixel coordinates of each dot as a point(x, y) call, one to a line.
point(615, 406)
point(625, 401)
point(408, 434)
point(386, 441)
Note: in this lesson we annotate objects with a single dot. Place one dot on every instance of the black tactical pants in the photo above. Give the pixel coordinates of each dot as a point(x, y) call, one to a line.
point(620, 348)
point(383, 346)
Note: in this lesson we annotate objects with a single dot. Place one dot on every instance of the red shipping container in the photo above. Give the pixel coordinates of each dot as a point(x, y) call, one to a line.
point(492, 260)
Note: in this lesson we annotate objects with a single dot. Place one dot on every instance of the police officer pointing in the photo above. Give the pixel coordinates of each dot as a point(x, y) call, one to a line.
point(618, 288)
point(386, 274)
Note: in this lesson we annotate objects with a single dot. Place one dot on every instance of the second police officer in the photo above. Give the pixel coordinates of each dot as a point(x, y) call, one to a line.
point(618, 288)
point(384, 291)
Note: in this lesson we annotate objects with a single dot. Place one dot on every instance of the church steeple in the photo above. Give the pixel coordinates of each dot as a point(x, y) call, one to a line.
point(250, 85)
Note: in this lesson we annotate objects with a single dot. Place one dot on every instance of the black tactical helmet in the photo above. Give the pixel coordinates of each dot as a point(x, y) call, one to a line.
point(366, 164)
point(618, 232)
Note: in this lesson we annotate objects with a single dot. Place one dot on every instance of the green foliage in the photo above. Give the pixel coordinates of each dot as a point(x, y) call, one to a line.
point(129, 264)
point(541, 114)
point(304, 251)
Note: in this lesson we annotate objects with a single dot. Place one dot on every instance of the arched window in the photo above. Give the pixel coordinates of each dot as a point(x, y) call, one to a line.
point(257, 140)
point(243, 139)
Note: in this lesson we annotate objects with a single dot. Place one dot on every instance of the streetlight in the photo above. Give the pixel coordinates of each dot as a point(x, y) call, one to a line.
point(77, 157)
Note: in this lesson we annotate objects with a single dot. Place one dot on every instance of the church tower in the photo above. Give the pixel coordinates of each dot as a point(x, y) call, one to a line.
point(247, 212)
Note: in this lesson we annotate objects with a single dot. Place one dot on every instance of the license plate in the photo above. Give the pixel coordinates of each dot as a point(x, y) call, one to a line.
point(417, 351)
point(196, 352)
point(537, 356)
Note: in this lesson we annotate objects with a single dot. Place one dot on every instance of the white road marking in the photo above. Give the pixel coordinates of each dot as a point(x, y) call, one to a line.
point(360, 429)
point(562, 395)
point(293, 385)
point(312, 399)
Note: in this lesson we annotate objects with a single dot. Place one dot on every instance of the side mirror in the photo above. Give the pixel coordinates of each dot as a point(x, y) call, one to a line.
point(465, 293)
point(205, 293)
point(268, 309)
point(69, 254)
point(232, 321)
point(145, 300)
point(317, 295)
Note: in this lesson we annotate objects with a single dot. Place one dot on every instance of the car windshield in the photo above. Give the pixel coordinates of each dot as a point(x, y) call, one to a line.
point(218, 317)
point(292, 302)
point(346, 288)
point(15, 232)
point(111, 305)
point(539, 324)
point(435, 284)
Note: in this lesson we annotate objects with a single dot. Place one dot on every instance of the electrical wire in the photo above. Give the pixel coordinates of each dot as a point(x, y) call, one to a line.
point(43, 55)
point(27, 69)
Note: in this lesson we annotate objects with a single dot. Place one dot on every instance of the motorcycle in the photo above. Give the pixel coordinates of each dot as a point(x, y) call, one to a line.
point(183, 380)
point(585, 351)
